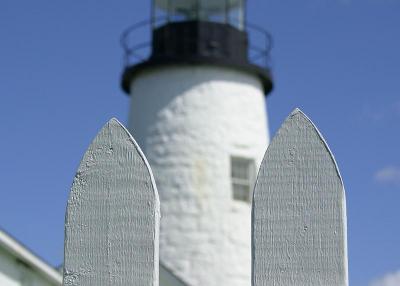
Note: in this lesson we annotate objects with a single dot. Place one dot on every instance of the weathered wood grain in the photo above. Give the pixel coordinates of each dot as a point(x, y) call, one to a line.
point(299, 212)
point(113, 212)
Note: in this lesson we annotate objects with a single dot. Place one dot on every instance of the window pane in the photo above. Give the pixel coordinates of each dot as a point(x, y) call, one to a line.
point(240, 168)
point(241, 192)
point(242, 177)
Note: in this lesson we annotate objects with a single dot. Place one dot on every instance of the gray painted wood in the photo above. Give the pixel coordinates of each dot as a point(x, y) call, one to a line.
point(299, 212)
point(113, 213)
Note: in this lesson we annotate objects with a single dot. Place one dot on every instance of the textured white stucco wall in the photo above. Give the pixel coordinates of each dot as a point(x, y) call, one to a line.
point(189, 121)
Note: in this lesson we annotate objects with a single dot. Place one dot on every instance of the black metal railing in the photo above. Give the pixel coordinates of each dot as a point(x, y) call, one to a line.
point(137, 51)
point(260, 45)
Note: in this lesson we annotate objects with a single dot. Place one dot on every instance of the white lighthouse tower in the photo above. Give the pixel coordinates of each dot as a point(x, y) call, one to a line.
point(198, 111)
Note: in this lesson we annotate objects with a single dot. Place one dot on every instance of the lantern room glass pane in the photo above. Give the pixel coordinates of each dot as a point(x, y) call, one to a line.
point(179, 12)
point(159, 17)
point(236, 15)
point(220, 11)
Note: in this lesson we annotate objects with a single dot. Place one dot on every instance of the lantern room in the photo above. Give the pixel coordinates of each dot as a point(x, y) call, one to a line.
point(198, 32)
point(230, 12)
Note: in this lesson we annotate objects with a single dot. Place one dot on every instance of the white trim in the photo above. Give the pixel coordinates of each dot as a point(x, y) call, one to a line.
point(17, 249)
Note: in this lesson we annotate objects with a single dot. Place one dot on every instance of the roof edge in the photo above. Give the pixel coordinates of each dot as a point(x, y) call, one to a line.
point(19, 250)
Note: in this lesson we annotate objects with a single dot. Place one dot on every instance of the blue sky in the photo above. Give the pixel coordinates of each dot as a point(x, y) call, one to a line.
point(338, 60)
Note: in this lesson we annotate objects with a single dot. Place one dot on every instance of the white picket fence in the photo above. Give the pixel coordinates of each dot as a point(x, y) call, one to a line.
point(298, 213)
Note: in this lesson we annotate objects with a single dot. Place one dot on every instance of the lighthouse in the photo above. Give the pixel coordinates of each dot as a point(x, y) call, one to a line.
point(198, 111)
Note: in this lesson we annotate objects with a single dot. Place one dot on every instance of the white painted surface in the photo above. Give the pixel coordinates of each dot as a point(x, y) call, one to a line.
point(167, 278)
point(112, 220)
point(299, 211)
point(19, 267)
point(189, 121)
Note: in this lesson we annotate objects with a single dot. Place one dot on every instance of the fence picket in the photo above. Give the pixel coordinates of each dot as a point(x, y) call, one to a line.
point(113, 213)
point(299, 212)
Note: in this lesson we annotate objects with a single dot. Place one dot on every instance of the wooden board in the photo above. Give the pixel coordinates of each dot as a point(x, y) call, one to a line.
point(113, 213)
point(299, 212)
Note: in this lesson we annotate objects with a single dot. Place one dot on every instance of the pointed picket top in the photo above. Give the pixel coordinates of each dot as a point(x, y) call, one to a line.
point(113, 213)
point(299, 212)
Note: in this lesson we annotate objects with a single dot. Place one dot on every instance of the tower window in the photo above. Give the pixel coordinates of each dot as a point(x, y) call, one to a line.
point(242, 176)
